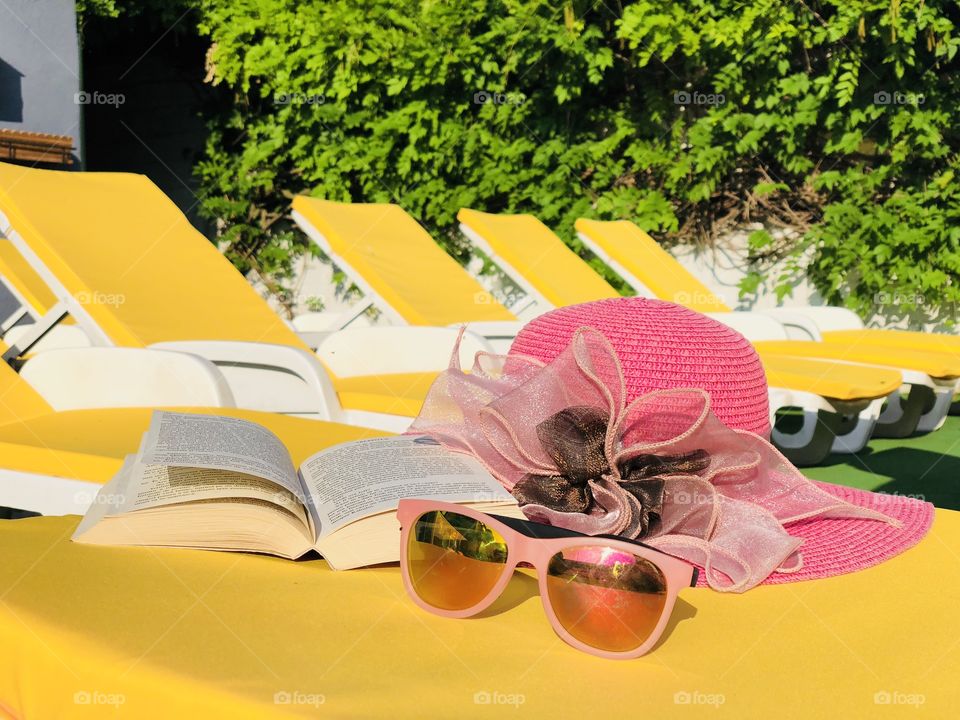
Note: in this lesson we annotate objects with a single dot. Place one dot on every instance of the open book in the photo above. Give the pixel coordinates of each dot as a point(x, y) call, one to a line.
point(220, 483)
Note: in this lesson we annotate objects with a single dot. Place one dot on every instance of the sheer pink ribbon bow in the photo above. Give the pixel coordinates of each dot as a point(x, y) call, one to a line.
point(728, 514)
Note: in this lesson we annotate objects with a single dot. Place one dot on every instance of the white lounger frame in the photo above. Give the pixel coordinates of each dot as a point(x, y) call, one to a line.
point(46, 494)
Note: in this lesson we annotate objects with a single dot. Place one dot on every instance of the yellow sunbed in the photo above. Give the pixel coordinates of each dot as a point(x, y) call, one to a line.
point(95, 632)
point(546, 268)
point(392, 258)
point(936, 364)
point(125, 254)
point(90, 445)
point(841, 381)
point(633, 250)
point(541, 260)
point(133, 271)
point(929, 371)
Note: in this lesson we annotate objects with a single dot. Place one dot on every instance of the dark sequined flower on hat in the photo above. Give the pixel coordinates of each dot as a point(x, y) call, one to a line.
point(575, 439)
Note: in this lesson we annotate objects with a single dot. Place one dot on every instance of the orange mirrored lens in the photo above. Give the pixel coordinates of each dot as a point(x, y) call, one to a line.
point(453, 560)
point(606, 598)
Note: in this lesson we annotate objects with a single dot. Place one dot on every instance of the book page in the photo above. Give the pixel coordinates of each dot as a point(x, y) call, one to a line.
point(218, 443)
point(138, 487)
point(155, 485)
point(109, 499)
point(356, 479)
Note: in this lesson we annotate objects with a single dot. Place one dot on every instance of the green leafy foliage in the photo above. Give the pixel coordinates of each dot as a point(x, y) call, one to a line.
point(836, 119)
point(96, 8)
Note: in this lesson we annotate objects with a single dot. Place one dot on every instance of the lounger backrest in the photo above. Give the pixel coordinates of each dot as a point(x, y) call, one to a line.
point(388, 254)
point(641, 256)
point(124, 252)
point(541, 258)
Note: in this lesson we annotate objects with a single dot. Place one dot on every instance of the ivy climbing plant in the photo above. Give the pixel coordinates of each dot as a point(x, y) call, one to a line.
point(834, 120)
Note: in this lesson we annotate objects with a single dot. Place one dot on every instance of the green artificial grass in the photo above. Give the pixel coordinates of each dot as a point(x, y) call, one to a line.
point(924, 466)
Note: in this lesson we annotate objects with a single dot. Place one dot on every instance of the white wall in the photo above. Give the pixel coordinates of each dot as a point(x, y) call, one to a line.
point(40, 68)
point(722, 267)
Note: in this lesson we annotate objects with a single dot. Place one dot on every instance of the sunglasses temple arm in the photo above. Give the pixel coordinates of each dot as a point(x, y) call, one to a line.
point(694, 576)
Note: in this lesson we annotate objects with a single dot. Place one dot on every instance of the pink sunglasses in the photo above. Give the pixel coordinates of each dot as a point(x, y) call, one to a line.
point(604, 595)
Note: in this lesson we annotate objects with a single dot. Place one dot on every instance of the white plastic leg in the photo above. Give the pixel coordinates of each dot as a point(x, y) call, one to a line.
point(894, 409)
point(934, 418)
point(799, 439)
point(857, 439)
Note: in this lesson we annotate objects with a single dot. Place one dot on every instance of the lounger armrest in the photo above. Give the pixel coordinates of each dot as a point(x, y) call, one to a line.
point(80, 378)
point(58, 337)
point(797, 325)
point(824, 318)
point(384, 350)
point(268, 377)
point(500, 333)
point(753, 326)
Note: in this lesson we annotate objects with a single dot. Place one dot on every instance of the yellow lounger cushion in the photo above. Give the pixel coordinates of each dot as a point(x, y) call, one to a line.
point(542, 258)
point(181, 633)
point(905, 339)
point(938, 365)
point(127, 254)
point(401, 262)
point(40, 460)
point(836, 380)
point(398, 394)
point(507, 232)
point(91, 444)
point(641, 256)
point(667, 279)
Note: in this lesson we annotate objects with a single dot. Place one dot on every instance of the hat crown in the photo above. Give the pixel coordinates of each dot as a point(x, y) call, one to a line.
point(662, 345)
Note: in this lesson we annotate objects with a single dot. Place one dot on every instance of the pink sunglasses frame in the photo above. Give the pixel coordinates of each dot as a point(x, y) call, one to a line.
point(537, 551)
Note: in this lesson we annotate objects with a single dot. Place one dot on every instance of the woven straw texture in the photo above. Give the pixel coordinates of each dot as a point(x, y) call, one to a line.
point(844, 545)
point(661, 346)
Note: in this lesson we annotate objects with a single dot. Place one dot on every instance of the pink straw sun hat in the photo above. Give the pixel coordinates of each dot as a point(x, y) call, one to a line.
point(662, 346)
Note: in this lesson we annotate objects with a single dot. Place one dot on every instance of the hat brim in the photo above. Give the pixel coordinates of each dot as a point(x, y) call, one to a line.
point(836, 546)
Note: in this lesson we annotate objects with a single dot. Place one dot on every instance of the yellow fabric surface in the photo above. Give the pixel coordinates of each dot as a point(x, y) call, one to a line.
point(41, 460)
point(938, 365)
point(398, 394)
point(643, 258)
point(129, 256)
point(829, 379)
point(91, 444)
point(906, 339)
point(178, 633)
point(544, 260)
point(17, 399)
point(401, 262)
